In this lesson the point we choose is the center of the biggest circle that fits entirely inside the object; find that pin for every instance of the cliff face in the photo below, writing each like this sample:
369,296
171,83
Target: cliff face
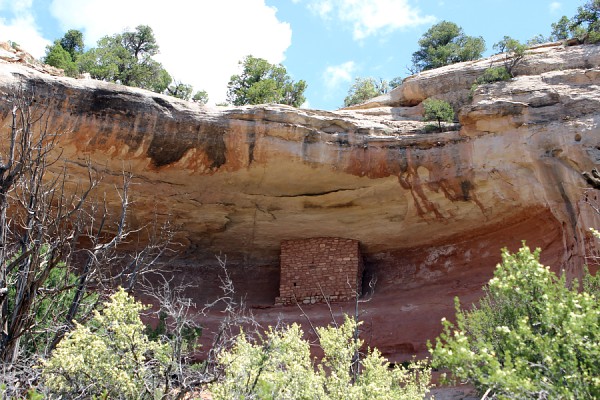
431,210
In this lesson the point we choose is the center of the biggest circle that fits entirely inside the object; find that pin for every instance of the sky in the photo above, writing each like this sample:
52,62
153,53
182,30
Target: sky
327,43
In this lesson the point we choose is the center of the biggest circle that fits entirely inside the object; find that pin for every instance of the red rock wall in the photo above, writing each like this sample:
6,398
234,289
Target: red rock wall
317,267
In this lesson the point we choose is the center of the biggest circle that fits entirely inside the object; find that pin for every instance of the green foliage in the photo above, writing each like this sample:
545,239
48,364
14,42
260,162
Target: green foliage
430,128
49,307
445,43
437,110
180,90
490,75
591,283
394,83
561,29
110,357
588,20
160,330
126,58
364,89
261,82
201,97
65,52
162,81
538,39
279,367
58,57
72,42
584,26
510,45
33,394
493,74
529,337
513,50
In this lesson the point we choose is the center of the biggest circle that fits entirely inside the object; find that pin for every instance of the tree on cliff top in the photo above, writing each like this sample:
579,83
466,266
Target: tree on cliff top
445,43
200,97
72,42
364,89
588,19
58,57
180,90
514,52
65,52
126,58
262,82
585,25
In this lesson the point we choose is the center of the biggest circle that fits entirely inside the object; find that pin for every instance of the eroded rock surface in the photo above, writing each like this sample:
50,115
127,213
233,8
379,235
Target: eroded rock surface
431,210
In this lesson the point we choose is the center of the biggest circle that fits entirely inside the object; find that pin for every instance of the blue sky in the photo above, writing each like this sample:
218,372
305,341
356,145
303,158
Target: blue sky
328,43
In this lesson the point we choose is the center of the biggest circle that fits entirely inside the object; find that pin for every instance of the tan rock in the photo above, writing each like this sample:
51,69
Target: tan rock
431,211
453,82
10,54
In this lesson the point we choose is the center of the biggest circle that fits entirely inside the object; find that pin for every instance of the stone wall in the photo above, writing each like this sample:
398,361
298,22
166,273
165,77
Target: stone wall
317,267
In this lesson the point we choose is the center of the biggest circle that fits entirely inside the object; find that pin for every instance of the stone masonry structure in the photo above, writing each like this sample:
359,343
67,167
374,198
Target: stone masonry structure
317,267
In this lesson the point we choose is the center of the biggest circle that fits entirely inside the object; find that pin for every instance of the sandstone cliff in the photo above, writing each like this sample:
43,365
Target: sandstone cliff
431,210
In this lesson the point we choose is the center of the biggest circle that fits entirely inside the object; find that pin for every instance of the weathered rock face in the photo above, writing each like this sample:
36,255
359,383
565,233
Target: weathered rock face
431,210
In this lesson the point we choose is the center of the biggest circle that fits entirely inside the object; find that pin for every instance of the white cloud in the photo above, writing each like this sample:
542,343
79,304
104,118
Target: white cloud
306,105
20,27
200,42
21,5
370,17
555,6
322,7
335,75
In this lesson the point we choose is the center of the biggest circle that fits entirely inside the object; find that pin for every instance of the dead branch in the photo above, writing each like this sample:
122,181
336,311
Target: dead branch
59,245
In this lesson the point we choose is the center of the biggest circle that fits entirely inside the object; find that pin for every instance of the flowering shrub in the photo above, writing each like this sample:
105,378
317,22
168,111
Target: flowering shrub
280,367
530,336
109,357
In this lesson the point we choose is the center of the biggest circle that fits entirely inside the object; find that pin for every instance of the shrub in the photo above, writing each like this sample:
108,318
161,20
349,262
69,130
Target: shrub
514,52
490,75
437,110
494,74
110,356
364,89
530,336
279,367
430,128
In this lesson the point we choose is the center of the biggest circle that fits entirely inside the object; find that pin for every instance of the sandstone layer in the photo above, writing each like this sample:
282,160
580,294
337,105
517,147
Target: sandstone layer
431,210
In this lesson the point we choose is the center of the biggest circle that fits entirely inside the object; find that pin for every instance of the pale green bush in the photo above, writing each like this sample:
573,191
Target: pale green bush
110,356
279,366
530,336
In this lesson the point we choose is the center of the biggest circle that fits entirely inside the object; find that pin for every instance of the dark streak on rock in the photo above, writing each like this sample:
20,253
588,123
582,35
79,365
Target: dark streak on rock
163,103
214,146
164,150
251,144
466,187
